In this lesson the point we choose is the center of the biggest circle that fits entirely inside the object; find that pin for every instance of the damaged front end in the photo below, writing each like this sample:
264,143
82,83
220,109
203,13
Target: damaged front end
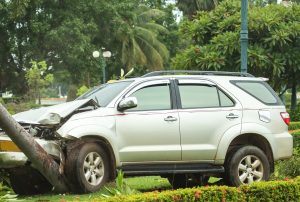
42,124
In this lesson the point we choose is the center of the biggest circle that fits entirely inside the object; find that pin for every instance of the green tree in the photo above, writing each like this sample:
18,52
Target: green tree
190,7
274,45
38,78
65,33
137,32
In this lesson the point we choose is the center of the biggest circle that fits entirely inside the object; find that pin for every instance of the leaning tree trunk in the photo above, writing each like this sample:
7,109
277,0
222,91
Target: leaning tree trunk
35,153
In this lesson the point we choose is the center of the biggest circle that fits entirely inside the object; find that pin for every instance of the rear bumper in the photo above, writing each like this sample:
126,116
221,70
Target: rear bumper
283,146
11,157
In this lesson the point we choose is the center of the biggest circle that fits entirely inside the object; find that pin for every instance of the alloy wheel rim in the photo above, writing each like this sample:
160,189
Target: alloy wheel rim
250,170
93,168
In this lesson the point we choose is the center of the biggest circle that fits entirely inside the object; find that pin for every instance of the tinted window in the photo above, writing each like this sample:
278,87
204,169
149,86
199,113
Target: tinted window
224,100
259,90
198,96
152,98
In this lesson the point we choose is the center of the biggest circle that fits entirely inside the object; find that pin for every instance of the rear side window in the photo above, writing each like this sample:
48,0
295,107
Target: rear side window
259,90
202,96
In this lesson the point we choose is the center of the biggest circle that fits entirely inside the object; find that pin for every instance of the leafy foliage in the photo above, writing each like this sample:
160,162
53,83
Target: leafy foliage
82,90
290,168
65,33
261,191
121,187
274,44
6,193
38,78
295,114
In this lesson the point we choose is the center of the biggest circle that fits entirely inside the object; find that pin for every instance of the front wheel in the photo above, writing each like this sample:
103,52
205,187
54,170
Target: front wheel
87,168
246,165
28,181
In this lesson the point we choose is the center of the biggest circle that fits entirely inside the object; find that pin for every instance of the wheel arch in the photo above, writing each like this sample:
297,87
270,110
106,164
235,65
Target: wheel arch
104,144
253,139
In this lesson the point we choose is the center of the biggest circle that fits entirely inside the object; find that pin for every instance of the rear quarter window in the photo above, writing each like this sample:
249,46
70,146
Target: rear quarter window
259,90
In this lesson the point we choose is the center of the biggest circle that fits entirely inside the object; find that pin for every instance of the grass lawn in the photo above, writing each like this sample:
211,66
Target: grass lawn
142,184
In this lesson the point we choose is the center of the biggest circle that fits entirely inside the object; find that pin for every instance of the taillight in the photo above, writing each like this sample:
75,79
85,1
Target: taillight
286,117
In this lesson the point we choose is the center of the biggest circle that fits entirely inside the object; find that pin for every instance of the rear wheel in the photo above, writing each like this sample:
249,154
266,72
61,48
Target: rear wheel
247,165
28,181
87,168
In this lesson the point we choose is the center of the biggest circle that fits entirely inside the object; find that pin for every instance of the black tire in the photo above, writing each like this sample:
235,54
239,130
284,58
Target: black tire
185,180
178,181
246,165
28,181
75,169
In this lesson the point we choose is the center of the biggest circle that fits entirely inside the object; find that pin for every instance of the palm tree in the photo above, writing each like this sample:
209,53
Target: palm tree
138,36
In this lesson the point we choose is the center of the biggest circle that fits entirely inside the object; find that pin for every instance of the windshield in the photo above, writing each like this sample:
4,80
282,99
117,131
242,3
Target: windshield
105,93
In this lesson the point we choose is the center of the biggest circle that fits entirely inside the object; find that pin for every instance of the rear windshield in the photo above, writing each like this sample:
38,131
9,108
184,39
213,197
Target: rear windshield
259,90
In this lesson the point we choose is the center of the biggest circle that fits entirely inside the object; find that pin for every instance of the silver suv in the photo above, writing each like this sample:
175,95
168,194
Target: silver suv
183,125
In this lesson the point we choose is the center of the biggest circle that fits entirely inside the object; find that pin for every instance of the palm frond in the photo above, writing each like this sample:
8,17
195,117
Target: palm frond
154,59
155,27
155,43
149,15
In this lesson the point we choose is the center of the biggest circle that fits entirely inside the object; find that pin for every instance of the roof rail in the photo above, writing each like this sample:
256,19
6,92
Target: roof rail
192,72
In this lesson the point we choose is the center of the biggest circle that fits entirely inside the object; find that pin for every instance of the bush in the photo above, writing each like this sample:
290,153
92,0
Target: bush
261,191
294,126
214,193
273,191
83,89
295,114
290,167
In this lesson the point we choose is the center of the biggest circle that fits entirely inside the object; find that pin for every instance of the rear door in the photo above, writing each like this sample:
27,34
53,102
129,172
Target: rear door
206,113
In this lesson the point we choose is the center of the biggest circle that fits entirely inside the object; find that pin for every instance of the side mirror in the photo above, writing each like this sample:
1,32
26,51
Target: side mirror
127,103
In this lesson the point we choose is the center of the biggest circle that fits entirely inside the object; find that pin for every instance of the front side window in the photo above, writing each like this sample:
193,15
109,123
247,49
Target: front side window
156,97
202,96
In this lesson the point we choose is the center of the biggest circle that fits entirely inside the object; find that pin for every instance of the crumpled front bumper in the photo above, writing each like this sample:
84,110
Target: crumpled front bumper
11,156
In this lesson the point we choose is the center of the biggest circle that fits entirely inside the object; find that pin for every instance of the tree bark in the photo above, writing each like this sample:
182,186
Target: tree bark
35,153
294,95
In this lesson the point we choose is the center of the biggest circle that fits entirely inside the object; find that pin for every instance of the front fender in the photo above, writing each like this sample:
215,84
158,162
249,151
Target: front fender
104,129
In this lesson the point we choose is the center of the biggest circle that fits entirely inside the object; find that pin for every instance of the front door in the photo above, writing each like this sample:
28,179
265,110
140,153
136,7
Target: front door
150,132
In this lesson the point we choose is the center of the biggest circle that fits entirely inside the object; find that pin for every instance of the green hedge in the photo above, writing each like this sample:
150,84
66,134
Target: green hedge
294,126
263,191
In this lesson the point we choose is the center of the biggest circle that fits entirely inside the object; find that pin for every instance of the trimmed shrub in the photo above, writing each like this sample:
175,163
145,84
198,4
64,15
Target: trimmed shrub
288,190
214,193
290,167
273,191
294,126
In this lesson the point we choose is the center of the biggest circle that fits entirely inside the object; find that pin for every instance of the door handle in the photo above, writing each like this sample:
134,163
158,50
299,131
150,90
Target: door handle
232,116
170,118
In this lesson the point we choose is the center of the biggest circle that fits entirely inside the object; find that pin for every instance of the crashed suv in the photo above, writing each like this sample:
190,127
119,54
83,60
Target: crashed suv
185,126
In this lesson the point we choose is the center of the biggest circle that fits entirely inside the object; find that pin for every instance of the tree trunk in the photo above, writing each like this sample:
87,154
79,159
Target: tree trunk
35,153
294,95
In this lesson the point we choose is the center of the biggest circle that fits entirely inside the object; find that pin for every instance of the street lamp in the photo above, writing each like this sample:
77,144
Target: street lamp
105,54
244,35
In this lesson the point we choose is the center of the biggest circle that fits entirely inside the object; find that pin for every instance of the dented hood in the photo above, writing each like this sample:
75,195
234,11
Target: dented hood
53,114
